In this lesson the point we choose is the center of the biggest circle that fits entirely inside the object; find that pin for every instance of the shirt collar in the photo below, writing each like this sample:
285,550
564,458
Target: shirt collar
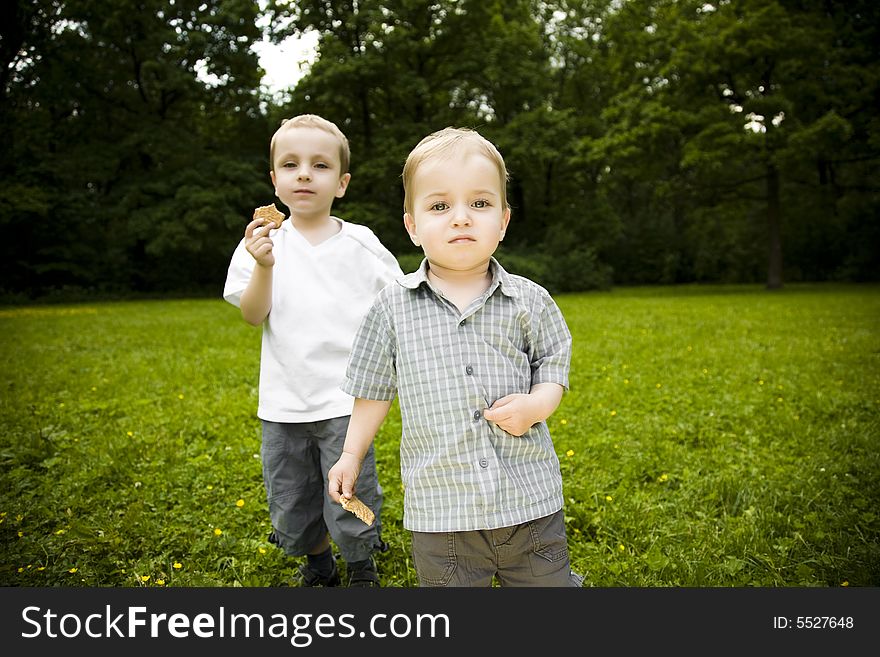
500,278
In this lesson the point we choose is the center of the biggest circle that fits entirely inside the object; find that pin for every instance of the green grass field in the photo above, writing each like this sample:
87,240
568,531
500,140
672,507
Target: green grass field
722,436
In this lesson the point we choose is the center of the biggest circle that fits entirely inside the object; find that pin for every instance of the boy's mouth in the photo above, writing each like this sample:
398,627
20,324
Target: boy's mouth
303,191
461,239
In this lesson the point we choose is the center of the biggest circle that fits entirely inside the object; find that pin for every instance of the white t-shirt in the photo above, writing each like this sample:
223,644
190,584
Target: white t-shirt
320,295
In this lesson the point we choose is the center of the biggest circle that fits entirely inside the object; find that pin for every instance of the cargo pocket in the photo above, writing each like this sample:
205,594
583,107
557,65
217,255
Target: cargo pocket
434,557
549,547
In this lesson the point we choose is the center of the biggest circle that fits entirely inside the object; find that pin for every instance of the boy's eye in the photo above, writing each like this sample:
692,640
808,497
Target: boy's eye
321,165
481,204
289,165
439,206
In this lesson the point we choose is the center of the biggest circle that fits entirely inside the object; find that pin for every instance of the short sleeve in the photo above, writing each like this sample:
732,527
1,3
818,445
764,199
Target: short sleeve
241,268
371,371
551,359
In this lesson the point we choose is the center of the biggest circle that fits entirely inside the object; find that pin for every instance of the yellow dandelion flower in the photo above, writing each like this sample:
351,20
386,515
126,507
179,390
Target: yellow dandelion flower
41,567
621,547
844,583
608,498
177,565
626,382
613,413
217,531
563,421
145,578
663,477
210,487
160,582
59,532
20,534
21,569
94,388
261,550
180,396
779,400
239,503
659,385
129,433
705,371
73,570
760,382
570,453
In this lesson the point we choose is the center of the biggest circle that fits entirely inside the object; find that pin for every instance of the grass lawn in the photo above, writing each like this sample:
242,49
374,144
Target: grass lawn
712,436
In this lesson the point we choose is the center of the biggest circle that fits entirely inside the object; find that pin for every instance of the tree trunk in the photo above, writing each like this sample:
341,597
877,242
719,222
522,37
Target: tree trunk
774,220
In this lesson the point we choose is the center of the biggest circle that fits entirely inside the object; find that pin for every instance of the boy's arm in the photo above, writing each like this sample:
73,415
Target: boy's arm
519,412
256,300
551,356
366,418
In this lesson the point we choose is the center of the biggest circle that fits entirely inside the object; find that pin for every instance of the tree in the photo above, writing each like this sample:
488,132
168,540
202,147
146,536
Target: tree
134,129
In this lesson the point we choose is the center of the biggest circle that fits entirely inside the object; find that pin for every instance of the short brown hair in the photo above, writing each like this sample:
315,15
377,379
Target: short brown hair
445,143
314,121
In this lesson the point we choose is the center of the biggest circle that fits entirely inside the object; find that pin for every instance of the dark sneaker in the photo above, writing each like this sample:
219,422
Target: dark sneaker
363,574
311,577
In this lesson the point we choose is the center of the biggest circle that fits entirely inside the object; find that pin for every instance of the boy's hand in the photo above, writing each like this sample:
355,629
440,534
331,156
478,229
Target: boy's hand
343,476
519,412
258,243
513,413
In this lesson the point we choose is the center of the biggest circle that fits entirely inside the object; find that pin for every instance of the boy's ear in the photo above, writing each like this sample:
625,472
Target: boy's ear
410,224
272,176
505,219
343,185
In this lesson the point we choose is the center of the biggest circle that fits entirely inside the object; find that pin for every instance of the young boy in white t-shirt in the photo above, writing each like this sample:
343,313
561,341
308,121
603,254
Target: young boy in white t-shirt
310,283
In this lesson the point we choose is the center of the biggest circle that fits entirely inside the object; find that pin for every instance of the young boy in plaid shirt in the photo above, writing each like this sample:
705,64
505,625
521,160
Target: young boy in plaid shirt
479,359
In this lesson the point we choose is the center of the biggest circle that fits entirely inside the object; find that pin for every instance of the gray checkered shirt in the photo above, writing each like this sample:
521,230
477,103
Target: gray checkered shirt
460,471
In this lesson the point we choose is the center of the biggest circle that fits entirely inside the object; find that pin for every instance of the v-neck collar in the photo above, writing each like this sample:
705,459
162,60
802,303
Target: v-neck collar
288,225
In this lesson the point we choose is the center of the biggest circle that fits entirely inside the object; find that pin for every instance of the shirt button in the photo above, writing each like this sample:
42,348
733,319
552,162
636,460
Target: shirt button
478,415
484,462
469,370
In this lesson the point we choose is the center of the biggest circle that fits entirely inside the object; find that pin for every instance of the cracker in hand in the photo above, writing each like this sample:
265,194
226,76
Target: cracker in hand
269,214
358,508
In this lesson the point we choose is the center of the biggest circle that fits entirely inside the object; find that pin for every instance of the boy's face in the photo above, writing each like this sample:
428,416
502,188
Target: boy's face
306,171
457,215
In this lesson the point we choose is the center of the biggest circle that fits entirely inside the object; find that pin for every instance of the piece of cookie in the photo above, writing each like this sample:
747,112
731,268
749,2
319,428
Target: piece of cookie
269,214
358,508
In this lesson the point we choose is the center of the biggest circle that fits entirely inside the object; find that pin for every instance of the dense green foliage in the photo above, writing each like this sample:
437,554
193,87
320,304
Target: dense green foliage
649,141
713,436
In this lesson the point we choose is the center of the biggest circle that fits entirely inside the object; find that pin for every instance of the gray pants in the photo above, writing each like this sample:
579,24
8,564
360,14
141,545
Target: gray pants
534,553
296,459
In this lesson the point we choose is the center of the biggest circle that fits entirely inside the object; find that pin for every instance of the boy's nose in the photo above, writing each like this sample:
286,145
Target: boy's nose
460,216
304,174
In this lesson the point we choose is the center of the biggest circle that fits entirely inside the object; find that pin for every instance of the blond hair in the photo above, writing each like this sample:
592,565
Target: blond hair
446,143
314,121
